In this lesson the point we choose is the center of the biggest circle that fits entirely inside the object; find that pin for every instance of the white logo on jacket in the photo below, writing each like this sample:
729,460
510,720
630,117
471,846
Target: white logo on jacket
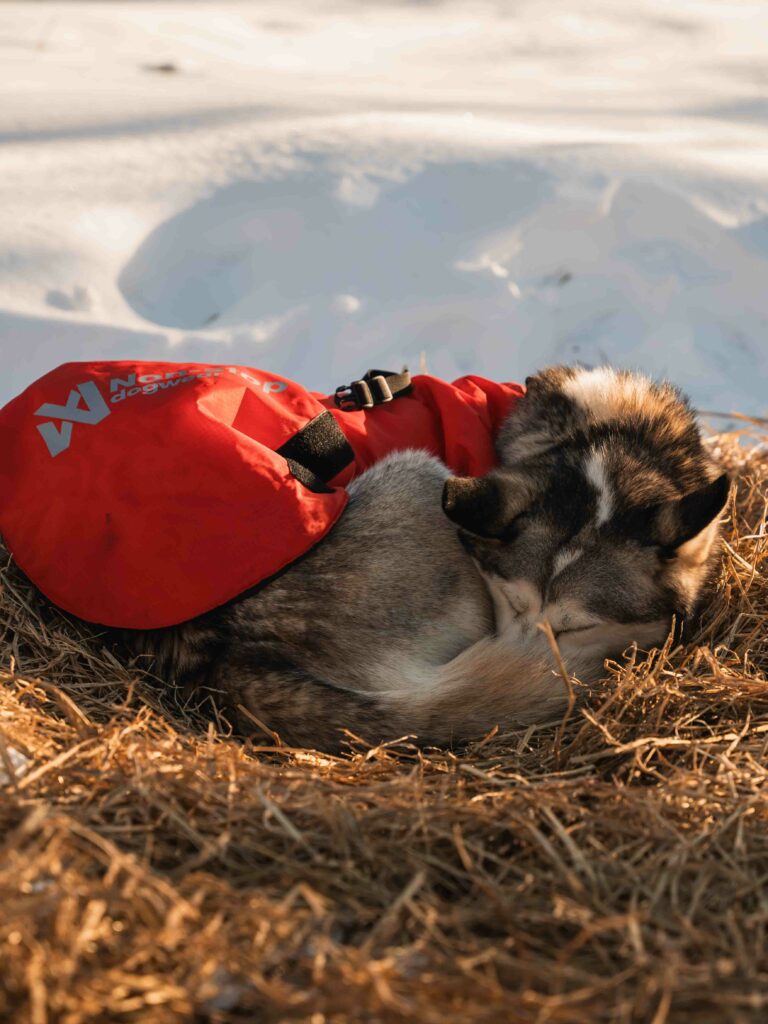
58,438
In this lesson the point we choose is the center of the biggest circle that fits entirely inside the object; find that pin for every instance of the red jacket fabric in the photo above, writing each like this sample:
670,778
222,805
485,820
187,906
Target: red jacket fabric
139,495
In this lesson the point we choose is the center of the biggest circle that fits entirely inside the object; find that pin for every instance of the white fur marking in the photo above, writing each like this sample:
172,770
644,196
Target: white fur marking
594,391
594,469
564,558
603,394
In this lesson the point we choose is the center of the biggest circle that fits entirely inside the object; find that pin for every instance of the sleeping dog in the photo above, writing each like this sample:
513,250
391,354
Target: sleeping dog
417,614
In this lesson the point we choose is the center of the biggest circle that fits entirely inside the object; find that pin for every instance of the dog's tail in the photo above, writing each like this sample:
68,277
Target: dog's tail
494,682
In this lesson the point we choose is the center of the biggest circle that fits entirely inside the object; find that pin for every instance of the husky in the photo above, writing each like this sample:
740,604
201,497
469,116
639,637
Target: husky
419,613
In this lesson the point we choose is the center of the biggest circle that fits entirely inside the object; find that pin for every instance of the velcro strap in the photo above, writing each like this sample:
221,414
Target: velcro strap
320,449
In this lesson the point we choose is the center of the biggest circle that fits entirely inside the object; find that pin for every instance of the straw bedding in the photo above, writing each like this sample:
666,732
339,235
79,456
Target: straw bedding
610,867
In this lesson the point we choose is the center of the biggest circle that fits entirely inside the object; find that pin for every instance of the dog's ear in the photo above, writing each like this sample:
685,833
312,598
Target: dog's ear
699,508
475,503
685,526
490,506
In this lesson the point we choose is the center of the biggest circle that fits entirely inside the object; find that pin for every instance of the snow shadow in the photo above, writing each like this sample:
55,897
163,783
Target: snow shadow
469,268
256,249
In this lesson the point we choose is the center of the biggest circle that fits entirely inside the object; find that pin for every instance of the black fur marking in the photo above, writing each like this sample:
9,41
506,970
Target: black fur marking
570,501
638,524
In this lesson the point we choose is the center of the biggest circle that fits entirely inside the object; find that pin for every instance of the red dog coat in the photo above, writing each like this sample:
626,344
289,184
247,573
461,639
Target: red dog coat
139,495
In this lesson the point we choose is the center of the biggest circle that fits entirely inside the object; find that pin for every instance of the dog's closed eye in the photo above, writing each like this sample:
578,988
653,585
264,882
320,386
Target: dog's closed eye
574,629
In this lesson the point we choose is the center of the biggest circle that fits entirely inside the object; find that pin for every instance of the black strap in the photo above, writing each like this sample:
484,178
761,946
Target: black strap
317,452
375,388
310,480
320,451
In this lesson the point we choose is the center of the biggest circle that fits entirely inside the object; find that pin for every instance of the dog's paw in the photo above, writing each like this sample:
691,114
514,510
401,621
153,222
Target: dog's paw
507,618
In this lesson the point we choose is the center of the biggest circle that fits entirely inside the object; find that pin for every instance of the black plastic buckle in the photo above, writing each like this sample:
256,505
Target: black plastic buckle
354,396
380,389
363,393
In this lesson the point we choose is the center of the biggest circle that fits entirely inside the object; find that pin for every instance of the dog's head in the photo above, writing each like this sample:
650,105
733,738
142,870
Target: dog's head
605,505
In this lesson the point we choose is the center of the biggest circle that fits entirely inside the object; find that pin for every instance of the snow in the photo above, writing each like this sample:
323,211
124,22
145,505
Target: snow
316,188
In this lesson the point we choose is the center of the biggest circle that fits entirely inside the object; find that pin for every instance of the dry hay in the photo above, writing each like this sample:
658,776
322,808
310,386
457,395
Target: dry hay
608,868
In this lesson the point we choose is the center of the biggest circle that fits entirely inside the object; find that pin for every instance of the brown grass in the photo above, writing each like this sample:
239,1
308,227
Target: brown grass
610,868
